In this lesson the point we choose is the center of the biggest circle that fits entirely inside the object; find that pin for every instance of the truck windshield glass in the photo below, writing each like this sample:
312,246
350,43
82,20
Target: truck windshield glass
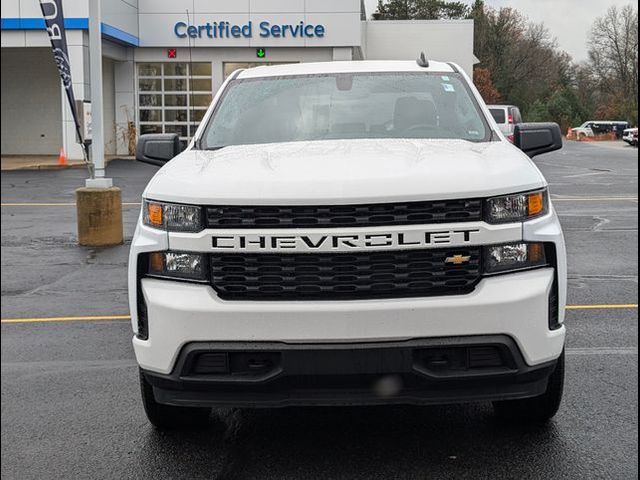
345,106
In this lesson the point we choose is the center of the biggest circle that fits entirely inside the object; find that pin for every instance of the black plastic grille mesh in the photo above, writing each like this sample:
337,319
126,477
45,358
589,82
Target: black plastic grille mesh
332,276
377,214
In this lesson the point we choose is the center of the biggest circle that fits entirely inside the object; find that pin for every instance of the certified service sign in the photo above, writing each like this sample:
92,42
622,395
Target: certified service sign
224,29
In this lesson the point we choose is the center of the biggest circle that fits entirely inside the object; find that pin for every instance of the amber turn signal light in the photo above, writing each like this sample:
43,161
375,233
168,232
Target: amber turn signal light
154,214
156,262
535,203
536,253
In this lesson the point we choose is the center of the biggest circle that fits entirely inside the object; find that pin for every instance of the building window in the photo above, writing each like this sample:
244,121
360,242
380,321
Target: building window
173,97
230,67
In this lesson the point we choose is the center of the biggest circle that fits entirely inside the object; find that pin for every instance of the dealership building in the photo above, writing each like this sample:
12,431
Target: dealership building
164,59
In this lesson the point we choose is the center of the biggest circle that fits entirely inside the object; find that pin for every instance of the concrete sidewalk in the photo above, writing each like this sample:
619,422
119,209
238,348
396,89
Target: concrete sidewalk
45,162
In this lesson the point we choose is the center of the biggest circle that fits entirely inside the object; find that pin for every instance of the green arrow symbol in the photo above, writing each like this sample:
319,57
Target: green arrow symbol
261,53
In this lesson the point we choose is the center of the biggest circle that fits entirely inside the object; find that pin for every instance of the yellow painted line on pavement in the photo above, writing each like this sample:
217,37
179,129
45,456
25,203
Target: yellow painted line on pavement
594,199
66,319
128,317
70,204
603,306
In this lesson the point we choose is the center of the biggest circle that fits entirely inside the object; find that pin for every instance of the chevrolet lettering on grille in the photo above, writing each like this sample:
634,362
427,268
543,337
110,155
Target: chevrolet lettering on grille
357,241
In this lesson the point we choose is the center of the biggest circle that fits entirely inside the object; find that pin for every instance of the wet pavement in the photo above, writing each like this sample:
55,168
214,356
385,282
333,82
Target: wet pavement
70,399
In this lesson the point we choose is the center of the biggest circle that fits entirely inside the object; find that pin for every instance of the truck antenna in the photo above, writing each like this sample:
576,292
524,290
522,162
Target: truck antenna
422,60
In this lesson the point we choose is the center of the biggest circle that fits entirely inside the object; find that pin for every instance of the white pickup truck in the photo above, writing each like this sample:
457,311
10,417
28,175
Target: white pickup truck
348,233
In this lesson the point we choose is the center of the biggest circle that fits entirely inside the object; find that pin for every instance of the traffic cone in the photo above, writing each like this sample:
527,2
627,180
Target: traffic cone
62,159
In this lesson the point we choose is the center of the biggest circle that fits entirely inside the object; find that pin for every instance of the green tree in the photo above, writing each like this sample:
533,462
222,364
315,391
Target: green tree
538,112
478,14
420,10
565,109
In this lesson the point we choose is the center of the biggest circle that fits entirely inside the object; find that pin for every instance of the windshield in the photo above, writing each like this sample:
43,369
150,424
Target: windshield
345,106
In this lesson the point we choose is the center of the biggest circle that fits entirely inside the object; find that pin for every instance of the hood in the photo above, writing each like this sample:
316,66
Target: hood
345,171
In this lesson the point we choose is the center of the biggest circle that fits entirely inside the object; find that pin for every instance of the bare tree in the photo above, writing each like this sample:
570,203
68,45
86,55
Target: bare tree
613,59
522,57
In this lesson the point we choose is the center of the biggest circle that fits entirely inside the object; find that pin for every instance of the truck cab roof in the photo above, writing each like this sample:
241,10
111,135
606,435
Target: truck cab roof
367,66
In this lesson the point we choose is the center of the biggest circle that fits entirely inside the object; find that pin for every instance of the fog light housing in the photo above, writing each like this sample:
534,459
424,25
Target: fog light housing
179,265
513,257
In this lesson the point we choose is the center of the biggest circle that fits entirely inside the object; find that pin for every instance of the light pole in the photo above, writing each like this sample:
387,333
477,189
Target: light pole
97,127
99,203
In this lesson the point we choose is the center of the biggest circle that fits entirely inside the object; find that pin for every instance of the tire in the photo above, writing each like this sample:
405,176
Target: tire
168,417
538,409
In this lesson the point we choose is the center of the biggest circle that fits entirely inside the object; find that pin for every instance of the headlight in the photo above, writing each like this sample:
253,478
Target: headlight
516,208
181,265
172,217
513,256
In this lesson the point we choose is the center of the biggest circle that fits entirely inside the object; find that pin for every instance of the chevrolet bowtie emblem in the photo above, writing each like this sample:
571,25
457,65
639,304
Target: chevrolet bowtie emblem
457,259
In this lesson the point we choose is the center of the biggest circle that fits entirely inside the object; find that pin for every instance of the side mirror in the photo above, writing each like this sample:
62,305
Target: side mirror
157,148
536,138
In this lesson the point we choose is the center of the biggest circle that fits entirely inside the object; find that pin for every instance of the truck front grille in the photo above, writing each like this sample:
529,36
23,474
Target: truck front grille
365,215
335,276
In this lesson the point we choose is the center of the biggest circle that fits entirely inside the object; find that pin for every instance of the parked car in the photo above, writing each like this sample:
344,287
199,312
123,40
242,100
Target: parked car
507,117
348,233
630,135
599,127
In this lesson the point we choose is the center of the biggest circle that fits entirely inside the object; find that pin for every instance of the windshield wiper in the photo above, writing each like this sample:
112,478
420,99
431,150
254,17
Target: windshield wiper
216,147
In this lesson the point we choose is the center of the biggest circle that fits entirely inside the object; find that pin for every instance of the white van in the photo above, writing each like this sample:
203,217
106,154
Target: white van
507,117
598,127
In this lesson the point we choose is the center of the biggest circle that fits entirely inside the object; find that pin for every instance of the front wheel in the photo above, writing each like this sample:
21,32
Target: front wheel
538,409
168,417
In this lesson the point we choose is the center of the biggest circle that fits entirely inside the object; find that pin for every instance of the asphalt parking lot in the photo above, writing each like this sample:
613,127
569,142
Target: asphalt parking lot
70,399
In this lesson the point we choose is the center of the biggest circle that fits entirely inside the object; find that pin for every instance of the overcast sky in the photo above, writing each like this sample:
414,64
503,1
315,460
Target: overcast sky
569,21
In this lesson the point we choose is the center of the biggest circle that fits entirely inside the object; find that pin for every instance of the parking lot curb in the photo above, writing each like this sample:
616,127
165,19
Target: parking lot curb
55,166
42,167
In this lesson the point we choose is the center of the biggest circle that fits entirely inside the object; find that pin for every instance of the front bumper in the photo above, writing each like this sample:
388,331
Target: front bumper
515,305
422,371
511,305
